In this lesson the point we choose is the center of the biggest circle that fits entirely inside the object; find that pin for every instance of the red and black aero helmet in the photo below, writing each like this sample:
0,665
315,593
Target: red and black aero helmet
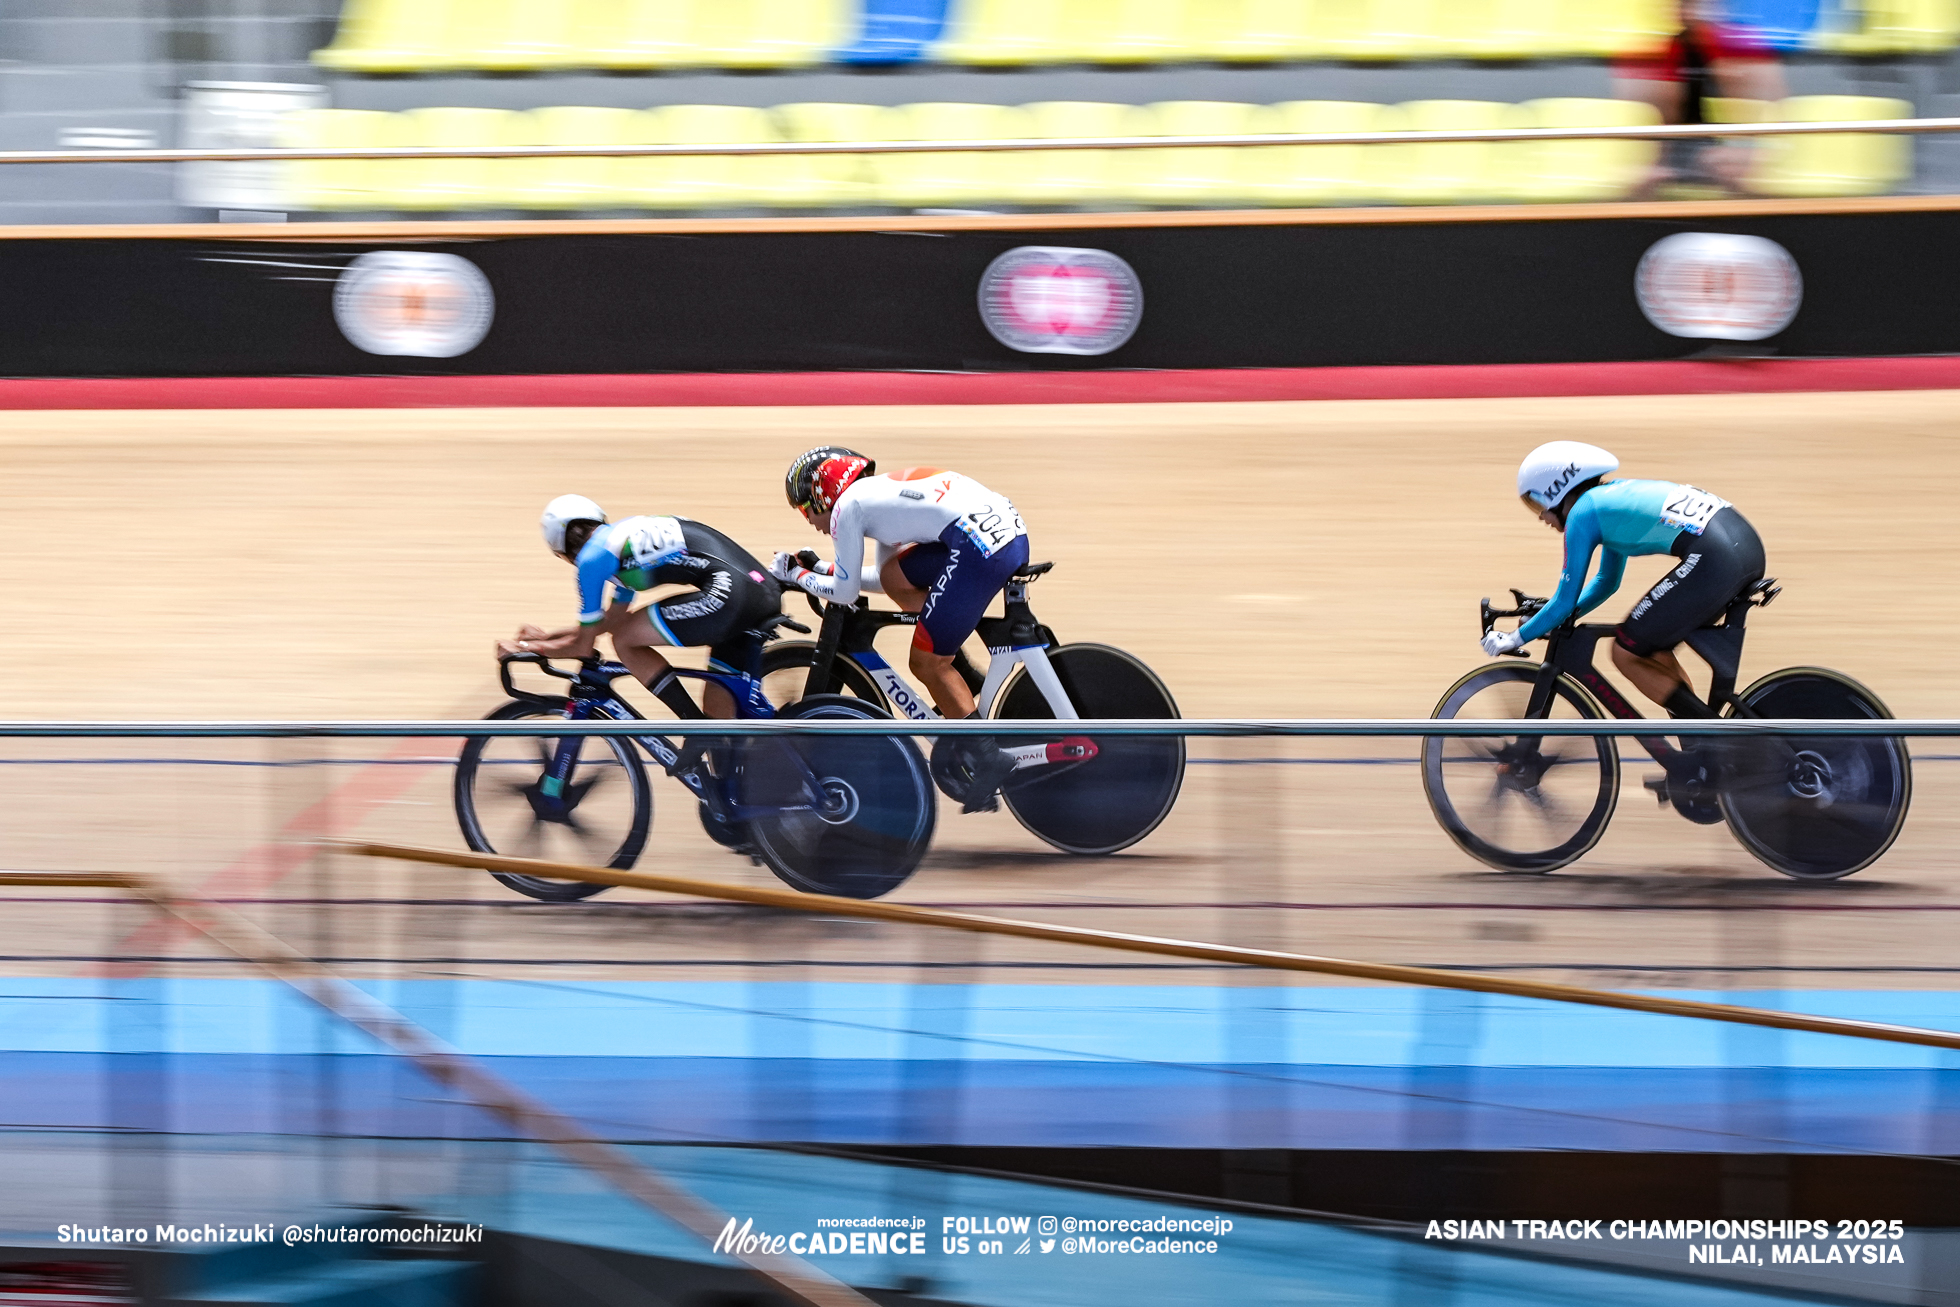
819,475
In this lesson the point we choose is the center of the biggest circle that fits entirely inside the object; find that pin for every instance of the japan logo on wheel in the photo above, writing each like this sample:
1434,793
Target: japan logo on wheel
1048,299
1706,285
409,302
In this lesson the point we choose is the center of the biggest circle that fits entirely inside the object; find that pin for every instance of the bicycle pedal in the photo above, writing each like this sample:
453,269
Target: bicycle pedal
1658,786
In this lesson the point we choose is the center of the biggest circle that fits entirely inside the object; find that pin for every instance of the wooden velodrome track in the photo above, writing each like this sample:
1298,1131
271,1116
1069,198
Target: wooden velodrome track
1278,560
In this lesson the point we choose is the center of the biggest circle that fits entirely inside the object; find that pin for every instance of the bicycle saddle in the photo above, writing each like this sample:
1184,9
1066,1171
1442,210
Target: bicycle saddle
1031,571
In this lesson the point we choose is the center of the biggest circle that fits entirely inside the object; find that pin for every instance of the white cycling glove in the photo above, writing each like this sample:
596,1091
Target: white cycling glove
1497,643
785,566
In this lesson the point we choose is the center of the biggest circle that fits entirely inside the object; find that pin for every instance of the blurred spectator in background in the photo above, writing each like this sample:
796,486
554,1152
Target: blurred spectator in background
1710,71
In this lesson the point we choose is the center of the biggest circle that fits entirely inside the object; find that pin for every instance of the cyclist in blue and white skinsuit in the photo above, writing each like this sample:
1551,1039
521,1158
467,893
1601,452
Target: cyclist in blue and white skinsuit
946,546
729,599
1721,557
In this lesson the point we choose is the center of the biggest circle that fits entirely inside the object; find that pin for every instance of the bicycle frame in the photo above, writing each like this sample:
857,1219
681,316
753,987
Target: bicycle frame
1014,639
1570,651
591,696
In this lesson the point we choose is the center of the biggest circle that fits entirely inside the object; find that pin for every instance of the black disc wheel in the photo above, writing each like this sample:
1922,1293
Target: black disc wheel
785,672
1117,797
1815,807
849,814
1530,803
599,819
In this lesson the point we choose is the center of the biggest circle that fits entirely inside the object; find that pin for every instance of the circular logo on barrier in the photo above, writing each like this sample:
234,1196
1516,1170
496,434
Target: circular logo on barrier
1048,299
1707,285
414,303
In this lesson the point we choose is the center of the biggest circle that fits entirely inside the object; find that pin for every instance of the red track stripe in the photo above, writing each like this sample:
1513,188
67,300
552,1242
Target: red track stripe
1672,377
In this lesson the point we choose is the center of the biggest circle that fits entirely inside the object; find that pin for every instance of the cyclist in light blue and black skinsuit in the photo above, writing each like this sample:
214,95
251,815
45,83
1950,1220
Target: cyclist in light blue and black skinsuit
1721,557
730,597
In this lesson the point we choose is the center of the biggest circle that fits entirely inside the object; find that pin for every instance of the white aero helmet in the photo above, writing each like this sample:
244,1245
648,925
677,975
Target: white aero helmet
1550,471
560,513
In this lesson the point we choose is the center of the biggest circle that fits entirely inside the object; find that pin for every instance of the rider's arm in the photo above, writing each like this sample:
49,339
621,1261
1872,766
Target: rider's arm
1612,570
596,567
1581,538
846,580
874,574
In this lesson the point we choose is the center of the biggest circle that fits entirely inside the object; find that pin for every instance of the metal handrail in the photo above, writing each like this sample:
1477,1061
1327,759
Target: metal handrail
1393,973
1887,728
1690,131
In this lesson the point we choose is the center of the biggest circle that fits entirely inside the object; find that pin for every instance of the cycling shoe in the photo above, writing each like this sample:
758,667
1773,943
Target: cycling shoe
969,770
1691,796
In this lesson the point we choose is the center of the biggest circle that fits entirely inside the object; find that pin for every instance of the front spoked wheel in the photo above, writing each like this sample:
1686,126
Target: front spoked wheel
600,818
1815,807
1123,793
843,814
1520,803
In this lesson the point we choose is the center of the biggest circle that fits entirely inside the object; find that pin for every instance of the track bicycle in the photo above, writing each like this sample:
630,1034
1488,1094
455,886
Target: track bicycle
1812,807
1080,794
829,814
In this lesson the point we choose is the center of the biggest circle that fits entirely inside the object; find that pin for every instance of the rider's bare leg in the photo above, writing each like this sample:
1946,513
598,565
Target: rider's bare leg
943,682
898,588
634,642
949,690
1658,676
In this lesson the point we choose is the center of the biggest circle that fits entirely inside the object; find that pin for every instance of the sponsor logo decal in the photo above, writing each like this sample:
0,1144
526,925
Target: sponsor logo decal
1703,285
413,303
1565,478
1050,299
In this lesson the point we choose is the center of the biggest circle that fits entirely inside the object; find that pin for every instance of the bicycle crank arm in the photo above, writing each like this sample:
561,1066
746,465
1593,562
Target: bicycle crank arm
1071,748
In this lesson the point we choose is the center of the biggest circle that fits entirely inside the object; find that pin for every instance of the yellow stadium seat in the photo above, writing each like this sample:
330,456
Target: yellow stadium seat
1003,32
1459,172
707,33
635,34
1560,171
1132,31
571,183
1072,177
1840,163
511,35
1499,29
770,33
952,179
1716,109
1379,30
1316,174
1898,27
389,36
1608,29
1215,175
813,180
1252,31
452,183
702,181
337,183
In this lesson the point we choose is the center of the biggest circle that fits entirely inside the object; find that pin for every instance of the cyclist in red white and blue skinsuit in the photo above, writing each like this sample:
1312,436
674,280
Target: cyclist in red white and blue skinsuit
946,546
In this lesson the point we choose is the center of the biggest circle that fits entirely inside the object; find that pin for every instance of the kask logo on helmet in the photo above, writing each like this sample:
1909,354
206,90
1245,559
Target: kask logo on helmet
1560,482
